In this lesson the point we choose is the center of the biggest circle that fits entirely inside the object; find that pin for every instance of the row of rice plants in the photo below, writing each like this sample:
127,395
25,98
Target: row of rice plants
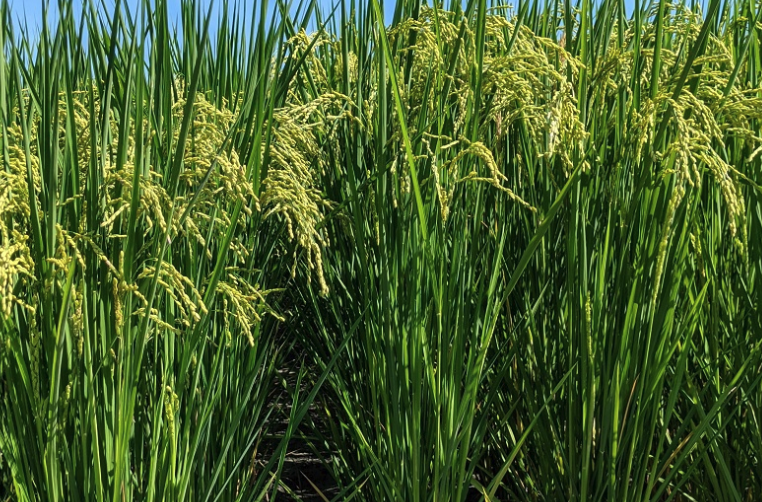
545,251
518,245
140,272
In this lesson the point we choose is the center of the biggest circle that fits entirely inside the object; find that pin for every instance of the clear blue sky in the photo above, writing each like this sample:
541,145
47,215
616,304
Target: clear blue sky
30,11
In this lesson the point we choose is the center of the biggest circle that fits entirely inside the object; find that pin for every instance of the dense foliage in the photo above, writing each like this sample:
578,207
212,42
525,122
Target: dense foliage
486,252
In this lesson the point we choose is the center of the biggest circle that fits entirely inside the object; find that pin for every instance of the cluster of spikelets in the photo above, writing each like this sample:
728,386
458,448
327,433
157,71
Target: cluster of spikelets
701,119
299,155
522,85
213,180
16,263
290,188
531,86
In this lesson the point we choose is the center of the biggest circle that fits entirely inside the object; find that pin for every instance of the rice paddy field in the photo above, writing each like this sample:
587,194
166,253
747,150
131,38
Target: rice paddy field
477,251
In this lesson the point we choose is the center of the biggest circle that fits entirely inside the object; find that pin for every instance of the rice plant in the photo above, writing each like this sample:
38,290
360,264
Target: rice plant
521,255
510,252
140,272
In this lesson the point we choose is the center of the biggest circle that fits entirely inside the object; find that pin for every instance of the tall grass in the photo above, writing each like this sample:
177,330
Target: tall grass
546,255
518,245
140,279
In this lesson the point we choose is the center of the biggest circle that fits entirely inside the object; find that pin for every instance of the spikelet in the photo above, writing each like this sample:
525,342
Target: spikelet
677,196
35,354
15,264
495,178
180,289
245,304
171,406
76,319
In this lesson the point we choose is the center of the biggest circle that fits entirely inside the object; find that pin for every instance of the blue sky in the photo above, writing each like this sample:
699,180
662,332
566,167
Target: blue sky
30,11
